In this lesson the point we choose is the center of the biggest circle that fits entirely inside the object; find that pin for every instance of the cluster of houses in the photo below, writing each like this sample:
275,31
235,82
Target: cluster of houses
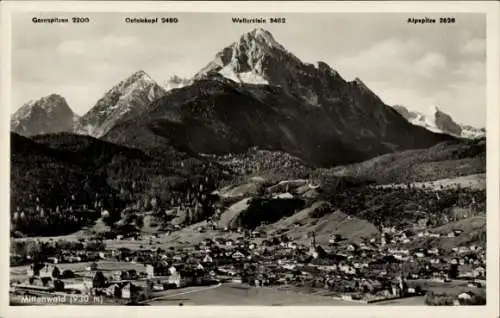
375,267
126,285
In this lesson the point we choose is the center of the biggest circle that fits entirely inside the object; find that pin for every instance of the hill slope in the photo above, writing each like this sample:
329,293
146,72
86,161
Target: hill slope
439,162
65,172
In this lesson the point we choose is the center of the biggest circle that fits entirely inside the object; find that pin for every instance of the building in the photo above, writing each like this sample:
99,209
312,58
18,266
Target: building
92,267
465,296
433,251
238,255
50,270
129,291
207,259
180,279
150,271
53,260
352,247
34,269
158,286
175,277
117,276
479,271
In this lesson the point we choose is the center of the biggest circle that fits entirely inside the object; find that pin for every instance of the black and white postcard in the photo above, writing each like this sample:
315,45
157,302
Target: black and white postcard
261,158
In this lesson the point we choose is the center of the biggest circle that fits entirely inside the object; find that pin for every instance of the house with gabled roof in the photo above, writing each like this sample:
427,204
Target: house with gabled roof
114,290
129,291
50,270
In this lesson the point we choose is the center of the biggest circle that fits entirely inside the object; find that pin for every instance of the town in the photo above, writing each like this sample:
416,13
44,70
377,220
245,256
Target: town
201,241
378,269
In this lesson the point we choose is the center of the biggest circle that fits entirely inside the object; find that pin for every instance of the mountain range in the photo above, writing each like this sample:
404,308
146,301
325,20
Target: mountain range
255,137
254,93
438,121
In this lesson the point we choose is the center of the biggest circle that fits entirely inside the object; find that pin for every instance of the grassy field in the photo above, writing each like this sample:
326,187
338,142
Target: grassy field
409,301
351,228
474,181
242,295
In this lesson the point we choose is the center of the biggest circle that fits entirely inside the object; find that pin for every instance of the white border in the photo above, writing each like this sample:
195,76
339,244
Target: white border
490,8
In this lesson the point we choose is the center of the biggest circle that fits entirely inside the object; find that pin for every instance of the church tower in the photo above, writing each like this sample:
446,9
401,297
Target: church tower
312,248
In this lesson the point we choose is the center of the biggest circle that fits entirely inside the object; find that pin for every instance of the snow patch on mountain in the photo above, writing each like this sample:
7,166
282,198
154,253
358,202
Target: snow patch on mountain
425,121
472,132
176,82
435,120
245,77
252,59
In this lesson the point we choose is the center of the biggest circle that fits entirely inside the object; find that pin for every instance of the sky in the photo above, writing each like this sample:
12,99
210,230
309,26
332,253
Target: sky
417,66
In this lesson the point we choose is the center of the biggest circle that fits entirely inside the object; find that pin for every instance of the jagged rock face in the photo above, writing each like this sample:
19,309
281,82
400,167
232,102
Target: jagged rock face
446,124
405,112
305,110
257,58
50,114
438,121
127,99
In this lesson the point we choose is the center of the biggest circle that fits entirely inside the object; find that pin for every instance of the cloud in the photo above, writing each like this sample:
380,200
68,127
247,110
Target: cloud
407,62
71,47
402,64
465,102
95,47
413,73
380,61
473,71
430,64
474,47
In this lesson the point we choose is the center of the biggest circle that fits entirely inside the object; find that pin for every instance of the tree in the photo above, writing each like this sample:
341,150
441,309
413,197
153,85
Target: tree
453,271
33,250
139,221
68,274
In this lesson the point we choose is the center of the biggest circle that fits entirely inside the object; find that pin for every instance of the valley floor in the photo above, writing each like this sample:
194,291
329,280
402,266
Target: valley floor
244,295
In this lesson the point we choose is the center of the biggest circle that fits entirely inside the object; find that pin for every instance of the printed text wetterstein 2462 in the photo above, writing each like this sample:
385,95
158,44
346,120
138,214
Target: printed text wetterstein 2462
261,20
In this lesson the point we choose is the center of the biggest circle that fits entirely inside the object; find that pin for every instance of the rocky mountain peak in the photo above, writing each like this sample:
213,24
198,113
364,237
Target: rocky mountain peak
129,97
139,78
433,110
255,58
259,37
445,123
49,114
258,58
